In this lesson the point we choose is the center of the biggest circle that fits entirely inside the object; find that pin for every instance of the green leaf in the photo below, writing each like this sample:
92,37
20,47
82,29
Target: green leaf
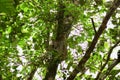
106,45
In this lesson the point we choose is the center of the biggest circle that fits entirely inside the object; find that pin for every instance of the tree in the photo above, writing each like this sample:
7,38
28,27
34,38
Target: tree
62,39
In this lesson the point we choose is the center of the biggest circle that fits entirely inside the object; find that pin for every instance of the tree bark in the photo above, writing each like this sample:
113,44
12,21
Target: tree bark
102,27
52,69
59,45
31,75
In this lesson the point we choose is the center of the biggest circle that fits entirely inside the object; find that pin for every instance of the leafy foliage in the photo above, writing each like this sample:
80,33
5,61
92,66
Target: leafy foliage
38,37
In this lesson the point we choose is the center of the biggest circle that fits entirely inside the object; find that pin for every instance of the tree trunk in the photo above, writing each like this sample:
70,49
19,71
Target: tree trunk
52,69
31,75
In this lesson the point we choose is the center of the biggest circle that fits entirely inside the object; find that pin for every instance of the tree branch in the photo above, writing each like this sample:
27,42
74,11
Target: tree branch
115,62
103,26
52,69
108,58
31,75
64,24
93,25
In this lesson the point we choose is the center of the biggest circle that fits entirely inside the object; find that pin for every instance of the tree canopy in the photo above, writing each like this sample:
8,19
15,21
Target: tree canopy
59,39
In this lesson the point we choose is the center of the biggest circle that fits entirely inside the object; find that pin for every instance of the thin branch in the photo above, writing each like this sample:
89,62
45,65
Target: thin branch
103,26
108,58
93,25
115,62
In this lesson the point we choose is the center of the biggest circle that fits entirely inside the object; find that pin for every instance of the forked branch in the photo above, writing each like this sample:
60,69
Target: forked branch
108,58
102,27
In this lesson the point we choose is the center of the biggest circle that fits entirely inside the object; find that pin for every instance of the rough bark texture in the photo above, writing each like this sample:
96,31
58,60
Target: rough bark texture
52,69
103,26
31,75
59,45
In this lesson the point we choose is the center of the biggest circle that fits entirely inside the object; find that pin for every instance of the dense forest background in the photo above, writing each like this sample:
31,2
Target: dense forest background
59,39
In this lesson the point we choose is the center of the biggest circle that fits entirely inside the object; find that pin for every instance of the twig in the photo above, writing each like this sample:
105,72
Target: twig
102,27
93,25
115,62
